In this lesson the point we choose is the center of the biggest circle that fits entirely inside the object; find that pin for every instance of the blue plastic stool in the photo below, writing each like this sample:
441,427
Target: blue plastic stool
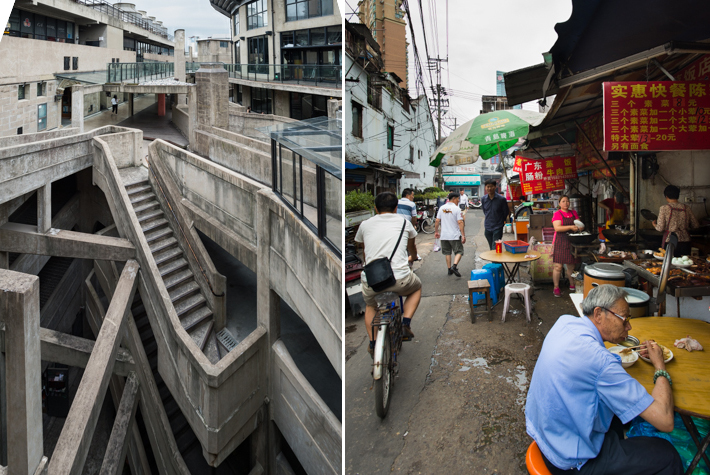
487,274
498,276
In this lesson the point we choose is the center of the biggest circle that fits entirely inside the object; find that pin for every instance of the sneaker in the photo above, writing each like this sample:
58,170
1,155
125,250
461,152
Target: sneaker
450,271
455,271
572,288
407,334
557,292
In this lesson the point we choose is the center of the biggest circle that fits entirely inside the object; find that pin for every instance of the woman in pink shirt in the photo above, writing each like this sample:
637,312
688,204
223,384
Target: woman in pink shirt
563,221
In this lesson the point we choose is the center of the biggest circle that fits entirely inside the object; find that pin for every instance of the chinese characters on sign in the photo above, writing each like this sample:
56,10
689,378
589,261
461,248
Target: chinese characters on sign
656,115
543,175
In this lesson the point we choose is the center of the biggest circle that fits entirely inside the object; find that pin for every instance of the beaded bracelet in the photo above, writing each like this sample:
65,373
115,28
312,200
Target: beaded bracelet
664,373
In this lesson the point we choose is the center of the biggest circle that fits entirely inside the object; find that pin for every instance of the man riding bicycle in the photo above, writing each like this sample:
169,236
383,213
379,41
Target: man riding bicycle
379,236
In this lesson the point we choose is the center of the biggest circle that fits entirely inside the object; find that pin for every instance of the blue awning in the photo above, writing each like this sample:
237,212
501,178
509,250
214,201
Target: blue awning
352,166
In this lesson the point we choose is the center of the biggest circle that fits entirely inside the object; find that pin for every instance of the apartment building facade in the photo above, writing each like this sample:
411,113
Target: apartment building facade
51,45
385,20
287,55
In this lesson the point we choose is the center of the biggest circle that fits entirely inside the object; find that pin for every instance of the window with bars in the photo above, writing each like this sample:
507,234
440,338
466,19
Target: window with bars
257,14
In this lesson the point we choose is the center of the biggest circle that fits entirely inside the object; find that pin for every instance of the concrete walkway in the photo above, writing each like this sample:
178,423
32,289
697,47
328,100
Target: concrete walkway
106,117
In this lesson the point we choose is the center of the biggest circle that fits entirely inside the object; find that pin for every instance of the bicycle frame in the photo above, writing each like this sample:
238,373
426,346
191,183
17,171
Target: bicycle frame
392,316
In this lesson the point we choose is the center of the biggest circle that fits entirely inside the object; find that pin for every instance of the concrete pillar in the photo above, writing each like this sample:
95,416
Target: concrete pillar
192,116
130,104
161,105
44,208
212,96
180,74
4,260
19,309
77,107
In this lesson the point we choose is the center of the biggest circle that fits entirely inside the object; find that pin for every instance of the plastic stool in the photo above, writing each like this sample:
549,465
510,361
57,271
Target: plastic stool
480,286
498,276
534,461
517,288
487,274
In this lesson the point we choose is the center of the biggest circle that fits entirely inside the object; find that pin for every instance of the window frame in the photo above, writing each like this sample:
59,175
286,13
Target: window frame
39,117
255,15
390,137
325,8
357,121
22,92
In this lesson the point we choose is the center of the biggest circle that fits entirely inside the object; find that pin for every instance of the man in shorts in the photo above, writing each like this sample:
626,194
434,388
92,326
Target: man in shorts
379,235
463,202
451,224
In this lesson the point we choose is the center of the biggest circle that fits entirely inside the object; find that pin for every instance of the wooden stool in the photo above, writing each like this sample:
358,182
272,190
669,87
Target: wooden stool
534,462
481,286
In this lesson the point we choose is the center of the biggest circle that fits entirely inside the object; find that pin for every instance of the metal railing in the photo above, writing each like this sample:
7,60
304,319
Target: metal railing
310,74
128,17
135,72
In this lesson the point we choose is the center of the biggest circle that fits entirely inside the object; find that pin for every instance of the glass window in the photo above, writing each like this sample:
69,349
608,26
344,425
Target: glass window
302,38
326,7
223,44
287,39
41,88
20,92
258,54
390,137
237,53
318,36
314,8
61,31
14,23
257,15
357,119
302,9
235,19
335,35
41,117
51,29
28,24
260,100
70,31
40,27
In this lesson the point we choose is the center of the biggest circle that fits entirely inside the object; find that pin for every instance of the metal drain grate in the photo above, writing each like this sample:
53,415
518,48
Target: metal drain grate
228,341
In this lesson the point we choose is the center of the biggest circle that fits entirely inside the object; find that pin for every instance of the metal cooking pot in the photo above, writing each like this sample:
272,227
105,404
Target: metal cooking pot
638,302
603,273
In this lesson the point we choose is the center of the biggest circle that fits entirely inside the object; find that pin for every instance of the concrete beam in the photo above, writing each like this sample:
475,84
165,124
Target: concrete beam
73,444
138,89
19,311
58,347
44,208
25,239
125,417
77,107
277,86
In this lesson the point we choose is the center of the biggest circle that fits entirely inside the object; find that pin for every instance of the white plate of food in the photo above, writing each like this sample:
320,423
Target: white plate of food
579,224
627,355
667,355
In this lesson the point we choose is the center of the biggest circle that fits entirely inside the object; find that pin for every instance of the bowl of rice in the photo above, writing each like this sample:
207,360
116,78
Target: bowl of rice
628,357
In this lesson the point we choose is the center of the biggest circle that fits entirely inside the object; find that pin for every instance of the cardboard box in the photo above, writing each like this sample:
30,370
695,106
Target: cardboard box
537,221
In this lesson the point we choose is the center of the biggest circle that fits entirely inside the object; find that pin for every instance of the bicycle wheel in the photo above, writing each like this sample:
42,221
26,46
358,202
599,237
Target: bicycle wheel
384,384
428,225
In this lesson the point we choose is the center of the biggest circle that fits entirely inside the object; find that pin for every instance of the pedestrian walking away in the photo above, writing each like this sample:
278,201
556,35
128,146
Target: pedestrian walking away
450,222
406,206
380,236
463,202
580,396
114,105
495,210
563,221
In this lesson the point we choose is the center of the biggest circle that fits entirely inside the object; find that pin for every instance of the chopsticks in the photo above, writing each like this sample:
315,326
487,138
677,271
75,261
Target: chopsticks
634,347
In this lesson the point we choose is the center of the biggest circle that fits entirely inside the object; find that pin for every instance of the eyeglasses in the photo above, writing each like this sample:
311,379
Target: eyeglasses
625,319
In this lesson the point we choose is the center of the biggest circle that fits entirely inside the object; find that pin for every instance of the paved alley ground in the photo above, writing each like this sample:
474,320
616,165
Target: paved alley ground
458,401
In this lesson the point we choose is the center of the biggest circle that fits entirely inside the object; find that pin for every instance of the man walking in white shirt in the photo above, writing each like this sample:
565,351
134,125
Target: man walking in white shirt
463,202
451,224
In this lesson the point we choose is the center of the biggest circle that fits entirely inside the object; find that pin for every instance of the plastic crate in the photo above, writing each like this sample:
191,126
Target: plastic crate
516,247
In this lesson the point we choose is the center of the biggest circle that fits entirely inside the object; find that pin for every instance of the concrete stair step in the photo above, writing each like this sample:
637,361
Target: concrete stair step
158,234
166,255
138,188
200,312
146,206
161,244
185,290
170,267
145,227
148,215
177,279
141,198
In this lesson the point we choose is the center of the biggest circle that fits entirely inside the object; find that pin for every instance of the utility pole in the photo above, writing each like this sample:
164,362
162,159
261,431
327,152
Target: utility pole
442,105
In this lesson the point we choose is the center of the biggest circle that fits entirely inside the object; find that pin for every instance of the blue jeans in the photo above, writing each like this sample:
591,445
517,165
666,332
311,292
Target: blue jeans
493,236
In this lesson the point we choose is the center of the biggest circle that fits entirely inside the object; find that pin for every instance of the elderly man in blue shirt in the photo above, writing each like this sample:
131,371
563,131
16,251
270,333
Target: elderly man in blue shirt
580,396
495,210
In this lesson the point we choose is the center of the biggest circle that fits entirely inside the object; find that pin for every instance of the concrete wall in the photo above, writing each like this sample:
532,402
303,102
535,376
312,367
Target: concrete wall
210,51
246,123
282,103
181,119
95,33
16,113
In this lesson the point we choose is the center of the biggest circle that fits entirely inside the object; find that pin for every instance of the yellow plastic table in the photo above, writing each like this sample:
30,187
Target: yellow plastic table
690,371
506,258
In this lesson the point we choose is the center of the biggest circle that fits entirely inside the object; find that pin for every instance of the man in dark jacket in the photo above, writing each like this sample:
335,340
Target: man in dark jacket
495,210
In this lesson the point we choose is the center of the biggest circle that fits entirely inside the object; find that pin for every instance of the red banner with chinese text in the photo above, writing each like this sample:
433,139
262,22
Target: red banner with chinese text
543,175
696,71
656,116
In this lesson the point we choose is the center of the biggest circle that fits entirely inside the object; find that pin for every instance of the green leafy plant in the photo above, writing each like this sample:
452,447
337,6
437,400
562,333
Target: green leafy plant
357,200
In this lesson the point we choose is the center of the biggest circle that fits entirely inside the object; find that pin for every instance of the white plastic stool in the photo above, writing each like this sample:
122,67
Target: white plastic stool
517,288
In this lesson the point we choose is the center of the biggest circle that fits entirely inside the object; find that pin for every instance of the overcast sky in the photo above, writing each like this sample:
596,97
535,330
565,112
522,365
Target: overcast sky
483,37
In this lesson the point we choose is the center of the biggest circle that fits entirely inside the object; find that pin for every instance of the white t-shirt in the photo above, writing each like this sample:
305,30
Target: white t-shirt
463,199
113,101
379,235
450,215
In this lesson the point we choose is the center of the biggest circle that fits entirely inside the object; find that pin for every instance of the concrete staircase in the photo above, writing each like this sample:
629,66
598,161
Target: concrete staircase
186,296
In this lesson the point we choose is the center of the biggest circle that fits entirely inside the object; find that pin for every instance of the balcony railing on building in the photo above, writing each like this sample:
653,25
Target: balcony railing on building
138,72
128,17
308,74
307,174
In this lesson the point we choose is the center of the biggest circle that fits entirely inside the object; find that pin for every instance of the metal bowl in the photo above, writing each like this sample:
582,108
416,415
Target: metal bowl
614,235
582,238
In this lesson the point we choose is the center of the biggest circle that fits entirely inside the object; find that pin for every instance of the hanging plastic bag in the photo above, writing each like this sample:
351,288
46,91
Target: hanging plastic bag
437,245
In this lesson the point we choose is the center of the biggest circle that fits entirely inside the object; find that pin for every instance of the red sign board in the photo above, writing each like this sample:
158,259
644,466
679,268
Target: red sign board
543,175
656,115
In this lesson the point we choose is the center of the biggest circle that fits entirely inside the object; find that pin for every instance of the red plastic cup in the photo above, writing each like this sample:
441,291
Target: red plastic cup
499,247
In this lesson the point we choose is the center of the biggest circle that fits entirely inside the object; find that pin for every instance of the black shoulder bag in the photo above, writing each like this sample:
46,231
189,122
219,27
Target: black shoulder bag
379,272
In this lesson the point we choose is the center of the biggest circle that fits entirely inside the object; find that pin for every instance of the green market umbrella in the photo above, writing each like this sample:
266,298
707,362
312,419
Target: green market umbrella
455,146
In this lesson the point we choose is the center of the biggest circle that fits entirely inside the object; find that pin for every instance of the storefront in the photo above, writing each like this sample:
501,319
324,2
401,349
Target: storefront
470,184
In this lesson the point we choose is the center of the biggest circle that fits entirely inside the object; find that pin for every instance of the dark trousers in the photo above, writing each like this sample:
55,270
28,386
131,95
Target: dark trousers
634,456
115,109
492,237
